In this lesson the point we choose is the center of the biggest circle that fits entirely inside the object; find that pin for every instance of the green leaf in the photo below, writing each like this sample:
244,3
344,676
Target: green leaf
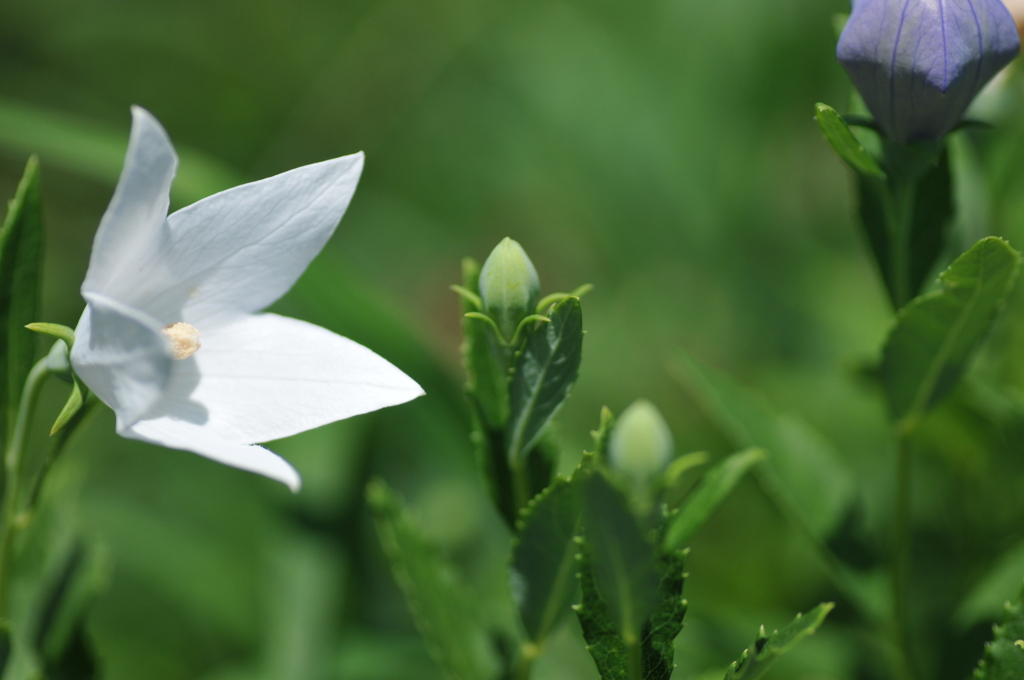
486,381
803,470
21,249
759,657
1004,656
54,330
544,558
655,651
605,645
71,407
933,211
934,334
988,594
658,647
625,572
443,611
709,494
545,371
60,635
846,146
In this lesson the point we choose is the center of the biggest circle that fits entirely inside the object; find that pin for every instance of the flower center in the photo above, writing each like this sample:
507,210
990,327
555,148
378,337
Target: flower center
184,339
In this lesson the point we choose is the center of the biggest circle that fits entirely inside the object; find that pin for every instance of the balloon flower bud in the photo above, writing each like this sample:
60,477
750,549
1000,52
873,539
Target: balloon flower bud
641,444
919,63
509,287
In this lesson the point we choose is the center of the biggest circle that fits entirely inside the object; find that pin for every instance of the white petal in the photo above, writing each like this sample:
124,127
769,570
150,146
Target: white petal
127,242
265,377
121,355
240,250
179,434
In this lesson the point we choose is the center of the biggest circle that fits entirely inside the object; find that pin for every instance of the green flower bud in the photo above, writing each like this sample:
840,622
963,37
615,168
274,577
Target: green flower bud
509,287
641,443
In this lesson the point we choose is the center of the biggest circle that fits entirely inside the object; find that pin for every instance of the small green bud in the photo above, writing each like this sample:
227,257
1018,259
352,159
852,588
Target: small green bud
509,286
641,443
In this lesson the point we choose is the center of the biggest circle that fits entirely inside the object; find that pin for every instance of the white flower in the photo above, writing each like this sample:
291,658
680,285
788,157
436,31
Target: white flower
212,266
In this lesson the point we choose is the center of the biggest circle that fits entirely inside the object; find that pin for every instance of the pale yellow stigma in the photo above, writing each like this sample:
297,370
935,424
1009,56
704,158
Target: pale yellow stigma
184,339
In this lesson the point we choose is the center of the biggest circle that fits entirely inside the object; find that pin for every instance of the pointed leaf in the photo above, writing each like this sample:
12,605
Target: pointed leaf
658,647
709,494
846,146
486,381
443,611
71,407
21,248
935,333
54,330
766,650
814,479
605,645
545,371
1004,656
624,559
544,558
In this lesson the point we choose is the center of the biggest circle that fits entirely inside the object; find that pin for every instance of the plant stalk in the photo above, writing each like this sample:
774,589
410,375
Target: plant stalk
12,466
902,556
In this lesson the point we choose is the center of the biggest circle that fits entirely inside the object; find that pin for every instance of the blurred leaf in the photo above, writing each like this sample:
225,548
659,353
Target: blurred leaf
5,647
486,382
544,373
935,333
658,646
60,636
97,151
846,146
625,573
1004,655
711,490
544,558
21,251
758,658
444,613
986,599
813,478
604,643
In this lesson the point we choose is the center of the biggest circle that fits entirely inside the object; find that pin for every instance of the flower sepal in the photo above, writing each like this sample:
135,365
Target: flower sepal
58,364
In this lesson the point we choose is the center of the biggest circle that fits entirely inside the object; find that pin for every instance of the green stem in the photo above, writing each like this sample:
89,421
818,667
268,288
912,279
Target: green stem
12,465
635,665
58,441
902,555
900,217
524,664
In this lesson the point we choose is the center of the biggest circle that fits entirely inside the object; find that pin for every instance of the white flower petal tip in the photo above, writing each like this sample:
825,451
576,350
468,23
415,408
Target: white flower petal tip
193,437
156,282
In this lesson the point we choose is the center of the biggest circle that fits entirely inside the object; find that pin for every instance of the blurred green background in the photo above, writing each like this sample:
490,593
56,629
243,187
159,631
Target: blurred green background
664,151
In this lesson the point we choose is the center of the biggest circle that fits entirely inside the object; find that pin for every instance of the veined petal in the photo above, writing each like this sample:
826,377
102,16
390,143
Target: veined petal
181,434
240,250
125,260
121,355
264,377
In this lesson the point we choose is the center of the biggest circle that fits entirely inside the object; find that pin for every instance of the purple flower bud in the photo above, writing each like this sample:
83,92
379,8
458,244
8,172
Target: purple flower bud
919,63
